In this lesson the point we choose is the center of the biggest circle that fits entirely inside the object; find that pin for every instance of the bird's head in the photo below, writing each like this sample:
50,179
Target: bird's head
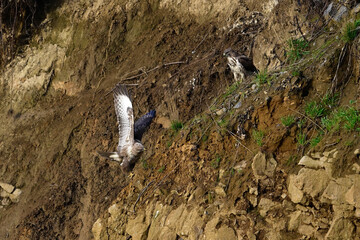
138,147
228,52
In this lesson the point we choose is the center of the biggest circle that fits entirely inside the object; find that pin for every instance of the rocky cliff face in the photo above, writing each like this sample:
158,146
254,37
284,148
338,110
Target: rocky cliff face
236,170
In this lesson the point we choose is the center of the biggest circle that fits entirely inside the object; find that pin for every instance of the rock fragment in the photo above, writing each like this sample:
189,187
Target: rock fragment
15,196
7,187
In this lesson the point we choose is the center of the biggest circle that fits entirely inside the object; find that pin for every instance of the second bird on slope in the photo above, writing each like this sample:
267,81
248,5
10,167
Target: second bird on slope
240,65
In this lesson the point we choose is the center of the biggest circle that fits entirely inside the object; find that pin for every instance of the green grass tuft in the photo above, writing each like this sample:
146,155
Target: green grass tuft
296,49
350,31
287,121
314,141
215,163
329,123
258,137
176,125
348,118
263,77
314,109
223,123
301,139
231,89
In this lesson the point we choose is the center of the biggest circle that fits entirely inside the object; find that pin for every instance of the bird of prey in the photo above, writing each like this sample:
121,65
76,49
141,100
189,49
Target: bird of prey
240,65
129,148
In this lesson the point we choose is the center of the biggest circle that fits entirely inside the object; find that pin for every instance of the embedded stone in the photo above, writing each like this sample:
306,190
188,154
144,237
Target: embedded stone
306,230
316,155
221,111
295,194
265,205
97,229
357,152
341,13
4,193
356,167
310,163
5,201
220,191
15,196
7,187
341,229
335,191
294,221
262,167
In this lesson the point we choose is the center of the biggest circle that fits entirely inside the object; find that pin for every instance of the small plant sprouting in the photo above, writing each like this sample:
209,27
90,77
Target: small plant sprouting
330,123
210,199
351,118
314,141
348,118
288,120
168,144
160,170
330,101
296,49
216,162
231,89
291,160
263,77
232,171
301,123
315,110
144,164
351,31
258,137
323,107
176,125
301,139
296,73
222,123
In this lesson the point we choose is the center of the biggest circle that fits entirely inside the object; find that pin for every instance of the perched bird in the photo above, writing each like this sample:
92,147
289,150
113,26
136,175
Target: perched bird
240,65
130,147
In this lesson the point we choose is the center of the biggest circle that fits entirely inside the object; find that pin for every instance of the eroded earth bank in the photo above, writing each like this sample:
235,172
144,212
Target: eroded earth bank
273,157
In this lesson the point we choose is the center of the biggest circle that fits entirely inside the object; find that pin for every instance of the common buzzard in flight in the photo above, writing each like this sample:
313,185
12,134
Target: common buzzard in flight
240,65
130,147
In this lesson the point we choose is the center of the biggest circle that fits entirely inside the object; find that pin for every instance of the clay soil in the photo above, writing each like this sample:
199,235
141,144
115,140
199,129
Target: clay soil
176,67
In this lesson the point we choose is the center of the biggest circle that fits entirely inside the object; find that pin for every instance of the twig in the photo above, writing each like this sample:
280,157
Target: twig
141,193
299,28
151,70
330,144
306,118
193,51
341,58
203,133
231,133
158,184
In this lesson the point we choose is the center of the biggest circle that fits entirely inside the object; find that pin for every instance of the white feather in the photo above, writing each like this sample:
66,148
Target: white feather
124,113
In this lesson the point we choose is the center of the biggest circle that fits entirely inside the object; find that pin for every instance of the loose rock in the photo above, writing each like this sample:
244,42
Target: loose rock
7,187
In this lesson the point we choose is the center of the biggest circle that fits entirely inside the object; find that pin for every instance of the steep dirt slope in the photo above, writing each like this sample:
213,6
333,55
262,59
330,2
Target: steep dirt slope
202,181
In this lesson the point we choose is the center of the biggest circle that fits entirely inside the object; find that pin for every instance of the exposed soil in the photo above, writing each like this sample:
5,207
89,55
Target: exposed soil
176,67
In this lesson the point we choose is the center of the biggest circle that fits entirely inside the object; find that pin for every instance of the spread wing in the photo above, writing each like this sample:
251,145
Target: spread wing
142,124
247,63
125,116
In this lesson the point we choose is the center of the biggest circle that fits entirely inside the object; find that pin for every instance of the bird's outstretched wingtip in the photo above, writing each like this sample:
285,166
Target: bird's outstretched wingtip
120,89
153,113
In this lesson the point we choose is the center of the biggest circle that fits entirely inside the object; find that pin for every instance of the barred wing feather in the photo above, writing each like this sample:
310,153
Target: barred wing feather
125,117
